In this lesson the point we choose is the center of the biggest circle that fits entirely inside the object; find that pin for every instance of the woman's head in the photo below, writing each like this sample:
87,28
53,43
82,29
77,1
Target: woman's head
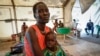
41,12
50,40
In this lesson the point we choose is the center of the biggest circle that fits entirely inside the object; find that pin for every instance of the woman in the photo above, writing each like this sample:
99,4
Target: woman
34,41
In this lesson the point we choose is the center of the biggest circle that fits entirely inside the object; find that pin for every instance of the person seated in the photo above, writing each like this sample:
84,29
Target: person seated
60,24
52,47
17,49
89,27
98,28
74,26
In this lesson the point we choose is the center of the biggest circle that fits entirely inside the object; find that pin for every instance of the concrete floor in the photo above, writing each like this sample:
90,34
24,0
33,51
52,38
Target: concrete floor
5,47
78,47
73,46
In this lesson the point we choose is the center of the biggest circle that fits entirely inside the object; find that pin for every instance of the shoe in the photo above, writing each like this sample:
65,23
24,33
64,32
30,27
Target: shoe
74,34
92,35
87,33
97,37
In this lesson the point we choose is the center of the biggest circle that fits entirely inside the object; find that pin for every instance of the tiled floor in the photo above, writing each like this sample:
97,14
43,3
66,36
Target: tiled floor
77,47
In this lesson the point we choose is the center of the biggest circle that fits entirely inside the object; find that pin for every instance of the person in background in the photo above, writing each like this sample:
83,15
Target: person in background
60,24
34,40
19,47
24,28
98,32
55,25
89,27
74,26
52,47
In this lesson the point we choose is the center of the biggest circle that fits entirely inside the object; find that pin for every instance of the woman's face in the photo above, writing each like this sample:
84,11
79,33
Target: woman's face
42,13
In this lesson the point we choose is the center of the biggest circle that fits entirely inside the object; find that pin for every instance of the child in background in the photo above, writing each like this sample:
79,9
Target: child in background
52,48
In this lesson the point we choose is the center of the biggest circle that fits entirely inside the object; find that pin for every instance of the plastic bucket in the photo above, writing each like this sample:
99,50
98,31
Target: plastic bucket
63,30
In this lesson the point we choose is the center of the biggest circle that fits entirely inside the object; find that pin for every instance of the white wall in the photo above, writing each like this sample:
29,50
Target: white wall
6,29
92,13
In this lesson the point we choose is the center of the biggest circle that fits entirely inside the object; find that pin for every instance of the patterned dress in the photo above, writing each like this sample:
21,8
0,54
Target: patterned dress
59,52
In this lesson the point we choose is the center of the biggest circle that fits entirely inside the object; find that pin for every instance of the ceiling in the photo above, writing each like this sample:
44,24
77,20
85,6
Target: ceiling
84,4
55,3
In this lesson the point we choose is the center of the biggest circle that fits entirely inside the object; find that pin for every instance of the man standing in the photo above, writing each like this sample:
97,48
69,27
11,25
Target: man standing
55,25
24,28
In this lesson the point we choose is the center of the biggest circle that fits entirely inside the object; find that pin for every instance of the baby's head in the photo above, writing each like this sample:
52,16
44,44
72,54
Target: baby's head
50,40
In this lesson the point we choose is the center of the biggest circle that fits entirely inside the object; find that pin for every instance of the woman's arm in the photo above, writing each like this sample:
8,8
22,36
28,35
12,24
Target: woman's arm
34,43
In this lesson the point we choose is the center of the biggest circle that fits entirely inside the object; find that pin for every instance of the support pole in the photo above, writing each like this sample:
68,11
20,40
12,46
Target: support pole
15,17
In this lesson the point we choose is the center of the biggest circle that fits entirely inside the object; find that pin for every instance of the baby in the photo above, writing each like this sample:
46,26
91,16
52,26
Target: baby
52,47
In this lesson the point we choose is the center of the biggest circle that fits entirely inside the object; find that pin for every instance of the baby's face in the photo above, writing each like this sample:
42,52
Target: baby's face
51,41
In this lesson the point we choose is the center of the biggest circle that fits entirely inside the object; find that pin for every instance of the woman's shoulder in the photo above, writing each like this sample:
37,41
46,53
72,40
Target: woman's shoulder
47,28
31,29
